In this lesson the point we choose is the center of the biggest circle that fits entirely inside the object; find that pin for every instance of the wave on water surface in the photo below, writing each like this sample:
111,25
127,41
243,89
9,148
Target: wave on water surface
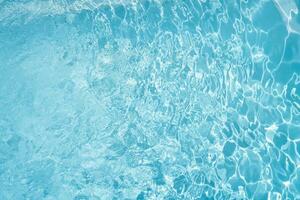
170,99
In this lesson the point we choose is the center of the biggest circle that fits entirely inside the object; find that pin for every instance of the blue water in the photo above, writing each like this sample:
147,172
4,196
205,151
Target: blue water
149,99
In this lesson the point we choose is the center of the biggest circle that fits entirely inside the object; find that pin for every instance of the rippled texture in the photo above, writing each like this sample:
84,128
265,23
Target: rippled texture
186,99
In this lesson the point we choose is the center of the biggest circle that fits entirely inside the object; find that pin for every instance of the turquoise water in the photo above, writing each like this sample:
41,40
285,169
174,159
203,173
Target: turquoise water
149,99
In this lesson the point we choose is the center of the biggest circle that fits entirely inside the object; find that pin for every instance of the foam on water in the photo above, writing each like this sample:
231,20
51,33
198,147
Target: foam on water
149,99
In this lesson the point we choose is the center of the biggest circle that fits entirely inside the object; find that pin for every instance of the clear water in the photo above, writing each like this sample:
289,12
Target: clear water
170,99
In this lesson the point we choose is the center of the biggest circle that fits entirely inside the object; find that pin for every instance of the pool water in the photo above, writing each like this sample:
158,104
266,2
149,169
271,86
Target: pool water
149,99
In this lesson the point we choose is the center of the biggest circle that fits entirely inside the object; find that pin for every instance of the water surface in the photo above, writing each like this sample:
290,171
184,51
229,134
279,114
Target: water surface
149,99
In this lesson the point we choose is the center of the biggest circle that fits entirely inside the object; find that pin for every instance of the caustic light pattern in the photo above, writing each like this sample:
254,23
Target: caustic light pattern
149,99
